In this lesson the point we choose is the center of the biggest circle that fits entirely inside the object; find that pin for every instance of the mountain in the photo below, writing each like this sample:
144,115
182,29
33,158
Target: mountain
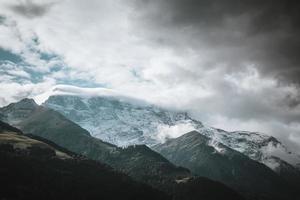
114,120
33,169
148,166
141,123
140,162
47,123
257,146
31,160
221,163
286,171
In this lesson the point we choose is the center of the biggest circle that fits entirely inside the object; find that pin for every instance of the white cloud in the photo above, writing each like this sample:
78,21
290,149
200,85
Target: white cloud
77,91
9,37
165,132
13,92
13,70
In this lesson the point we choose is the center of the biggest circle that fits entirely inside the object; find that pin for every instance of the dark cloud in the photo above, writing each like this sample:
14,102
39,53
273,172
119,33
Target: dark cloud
31,9
263,33
292,102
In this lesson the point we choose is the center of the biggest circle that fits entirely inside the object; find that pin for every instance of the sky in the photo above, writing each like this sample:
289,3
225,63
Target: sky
232,64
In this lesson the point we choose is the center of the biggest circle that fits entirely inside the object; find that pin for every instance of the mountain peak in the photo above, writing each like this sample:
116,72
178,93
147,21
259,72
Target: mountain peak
16,112
28,102
24,104
195,135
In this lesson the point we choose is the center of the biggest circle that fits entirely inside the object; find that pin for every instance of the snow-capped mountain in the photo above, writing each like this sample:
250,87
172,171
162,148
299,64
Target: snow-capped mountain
120,122
194,151
258,146
124,121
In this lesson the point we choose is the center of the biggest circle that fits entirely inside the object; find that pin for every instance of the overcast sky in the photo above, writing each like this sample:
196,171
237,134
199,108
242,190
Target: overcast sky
233,64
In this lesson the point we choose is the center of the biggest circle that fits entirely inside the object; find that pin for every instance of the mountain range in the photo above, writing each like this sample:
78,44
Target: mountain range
35,168
151,145
124,123
253,179
51,125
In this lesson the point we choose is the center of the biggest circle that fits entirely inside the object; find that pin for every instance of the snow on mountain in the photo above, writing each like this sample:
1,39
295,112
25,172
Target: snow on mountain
125,121
120,122
257,146
104,112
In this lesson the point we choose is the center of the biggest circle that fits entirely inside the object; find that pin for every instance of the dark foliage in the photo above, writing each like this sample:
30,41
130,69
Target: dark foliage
203,188
38,175
148,166
6,127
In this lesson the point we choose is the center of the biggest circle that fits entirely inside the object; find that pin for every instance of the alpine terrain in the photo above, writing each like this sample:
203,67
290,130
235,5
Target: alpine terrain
122,121
139,161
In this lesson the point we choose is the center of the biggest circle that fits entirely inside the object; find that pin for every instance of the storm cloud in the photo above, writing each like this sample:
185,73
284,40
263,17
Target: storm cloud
264,33
30,9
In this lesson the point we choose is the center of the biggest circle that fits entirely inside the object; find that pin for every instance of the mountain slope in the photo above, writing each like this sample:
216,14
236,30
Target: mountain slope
142,163
116,121
257,146
33,169
49,124
105,116
203,188
223,164
148,166
139,162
